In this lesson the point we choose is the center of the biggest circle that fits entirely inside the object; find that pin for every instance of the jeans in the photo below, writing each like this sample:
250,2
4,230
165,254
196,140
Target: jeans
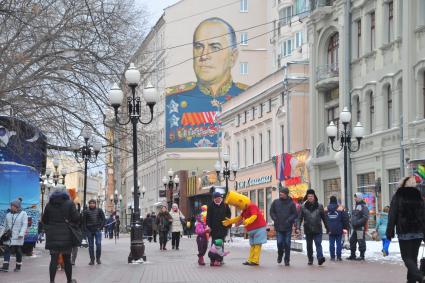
175,239
91,236
54,266
386,245
284,244
317,238
409,253
9,249
338,240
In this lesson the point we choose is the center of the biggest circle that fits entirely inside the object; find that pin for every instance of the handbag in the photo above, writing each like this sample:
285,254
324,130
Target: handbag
422,265
77,234
7,235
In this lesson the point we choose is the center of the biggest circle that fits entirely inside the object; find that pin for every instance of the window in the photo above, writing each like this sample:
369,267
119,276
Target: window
238,148
243,6
372,31
298,39
261,110
253,113
253,196
245,151
269,105
244,38
261,200
243,68
286,47
371,113
285,16
245,116
333,46
366,185
359,38
268,203
269,144
390,21
260,139
393,179
282,98
389,107
282,138
238,120
358,109
253,150
301,6
332,187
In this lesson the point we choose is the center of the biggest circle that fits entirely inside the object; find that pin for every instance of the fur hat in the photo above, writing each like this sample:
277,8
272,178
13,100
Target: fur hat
16,203
310,192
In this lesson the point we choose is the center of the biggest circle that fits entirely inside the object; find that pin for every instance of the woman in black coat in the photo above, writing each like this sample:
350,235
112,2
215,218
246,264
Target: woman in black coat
163,222
59,238
147,226
407,215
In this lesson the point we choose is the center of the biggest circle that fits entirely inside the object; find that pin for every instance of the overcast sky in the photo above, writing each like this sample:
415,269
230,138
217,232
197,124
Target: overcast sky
155,7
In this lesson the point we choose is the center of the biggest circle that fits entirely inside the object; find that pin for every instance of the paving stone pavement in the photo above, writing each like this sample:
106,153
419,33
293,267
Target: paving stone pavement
173,266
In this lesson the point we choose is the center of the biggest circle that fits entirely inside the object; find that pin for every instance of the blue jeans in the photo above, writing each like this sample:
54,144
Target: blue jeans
10,249
284,244
338,240
317,238
91,236
386,245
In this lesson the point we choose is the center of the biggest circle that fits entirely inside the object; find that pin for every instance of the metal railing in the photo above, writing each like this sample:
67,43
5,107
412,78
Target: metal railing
327,71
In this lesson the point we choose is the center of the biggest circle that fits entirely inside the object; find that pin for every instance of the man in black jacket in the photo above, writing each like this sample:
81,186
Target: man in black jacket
284,213
313,213
94,220
359,219
216,213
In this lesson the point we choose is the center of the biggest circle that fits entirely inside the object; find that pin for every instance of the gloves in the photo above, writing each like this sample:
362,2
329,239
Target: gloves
227,222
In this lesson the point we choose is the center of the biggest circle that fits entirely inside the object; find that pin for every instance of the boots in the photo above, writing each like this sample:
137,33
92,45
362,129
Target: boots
279,256
18,267
91,261
5,267
201,260
361,256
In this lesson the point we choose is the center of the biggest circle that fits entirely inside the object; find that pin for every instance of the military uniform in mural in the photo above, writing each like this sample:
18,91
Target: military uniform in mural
192,113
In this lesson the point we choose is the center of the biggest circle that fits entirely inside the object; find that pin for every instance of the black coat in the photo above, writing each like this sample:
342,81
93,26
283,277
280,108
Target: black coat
215,215
58,235
312,214
147,226
407,212
94,219
359,216
163,221
284,213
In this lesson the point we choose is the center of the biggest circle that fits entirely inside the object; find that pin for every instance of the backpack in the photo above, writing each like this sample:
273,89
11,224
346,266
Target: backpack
335,222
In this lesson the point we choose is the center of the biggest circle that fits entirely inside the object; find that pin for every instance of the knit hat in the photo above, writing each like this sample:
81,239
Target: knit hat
218,242
359,196
16,203
217,194
333,200
284,190
92,201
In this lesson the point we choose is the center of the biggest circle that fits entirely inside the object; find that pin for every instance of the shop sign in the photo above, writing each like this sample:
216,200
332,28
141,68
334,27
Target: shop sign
254,181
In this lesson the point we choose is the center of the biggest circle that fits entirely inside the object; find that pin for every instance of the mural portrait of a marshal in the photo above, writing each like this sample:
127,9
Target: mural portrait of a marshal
192,108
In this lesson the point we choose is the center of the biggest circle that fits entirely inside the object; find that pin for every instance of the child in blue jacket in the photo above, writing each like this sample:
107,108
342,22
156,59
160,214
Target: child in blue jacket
381,228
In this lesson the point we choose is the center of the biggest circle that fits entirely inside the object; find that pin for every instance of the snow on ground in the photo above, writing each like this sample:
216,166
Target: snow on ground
373,249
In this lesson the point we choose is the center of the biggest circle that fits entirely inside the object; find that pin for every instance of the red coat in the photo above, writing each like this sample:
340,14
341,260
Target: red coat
253,209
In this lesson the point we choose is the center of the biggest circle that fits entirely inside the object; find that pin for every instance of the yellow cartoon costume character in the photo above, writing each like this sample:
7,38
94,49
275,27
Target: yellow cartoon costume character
254,222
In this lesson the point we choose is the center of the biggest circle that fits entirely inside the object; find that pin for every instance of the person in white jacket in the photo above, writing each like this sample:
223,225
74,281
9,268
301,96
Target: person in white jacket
176,225
17,222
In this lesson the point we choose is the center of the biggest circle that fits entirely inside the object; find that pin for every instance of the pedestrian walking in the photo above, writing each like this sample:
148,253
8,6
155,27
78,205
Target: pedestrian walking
12,233
60,212
163,222
359,222
117,226
110,223
312,214
176,225
154,226
284,214
202,231
217,212
338,222
94,219
381,228
147,227
407,215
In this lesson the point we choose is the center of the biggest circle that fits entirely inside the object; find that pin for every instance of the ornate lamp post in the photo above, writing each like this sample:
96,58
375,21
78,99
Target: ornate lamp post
86,153
345,144
171,184
56,174
42,190
226,171
132,75
115,198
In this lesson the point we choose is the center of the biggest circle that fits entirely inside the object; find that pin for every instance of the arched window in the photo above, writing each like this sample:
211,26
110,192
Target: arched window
333,46
371,112
358,109
389,107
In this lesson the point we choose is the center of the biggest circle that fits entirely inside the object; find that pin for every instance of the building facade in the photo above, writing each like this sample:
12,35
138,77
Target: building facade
377,70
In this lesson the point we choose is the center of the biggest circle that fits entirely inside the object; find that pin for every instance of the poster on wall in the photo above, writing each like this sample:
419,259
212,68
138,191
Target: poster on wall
192,108
370,200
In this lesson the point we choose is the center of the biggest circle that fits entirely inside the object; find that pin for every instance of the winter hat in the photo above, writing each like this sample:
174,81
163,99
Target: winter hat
284,190
310,192
16,203
218,242
359,196
333,200
217,194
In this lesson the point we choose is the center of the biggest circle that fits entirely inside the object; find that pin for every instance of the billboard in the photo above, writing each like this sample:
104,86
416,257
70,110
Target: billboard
192,108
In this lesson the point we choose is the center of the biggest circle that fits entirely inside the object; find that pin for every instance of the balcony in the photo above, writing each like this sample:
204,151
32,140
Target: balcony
320,8
316,4
327,76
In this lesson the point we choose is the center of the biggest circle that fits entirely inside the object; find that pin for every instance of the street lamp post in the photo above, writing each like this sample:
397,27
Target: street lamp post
132,75
171,183
56,174
226,171
115,198
42,190
345,143
86,153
